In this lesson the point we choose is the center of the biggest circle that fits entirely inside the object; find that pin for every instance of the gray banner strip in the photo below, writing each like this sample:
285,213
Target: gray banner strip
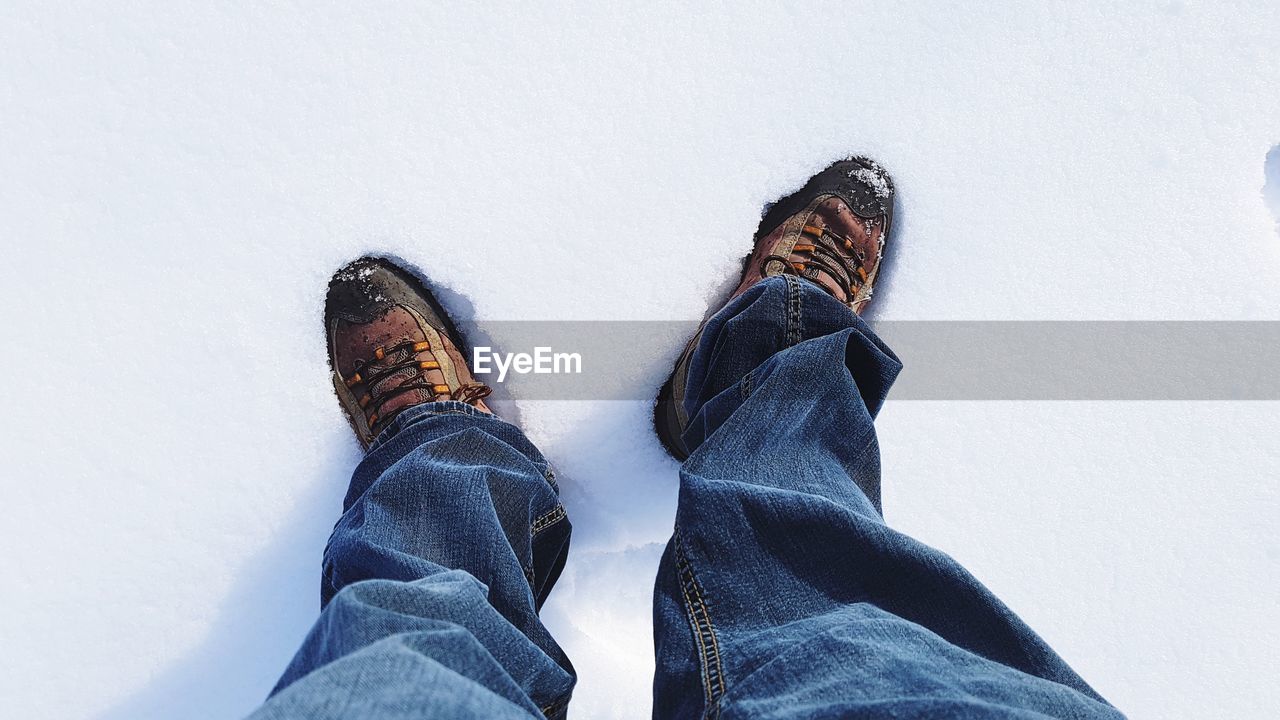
944,360
1086,360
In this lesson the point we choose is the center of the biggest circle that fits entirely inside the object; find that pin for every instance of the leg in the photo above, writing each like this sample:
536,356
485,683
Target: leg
782,593
451,537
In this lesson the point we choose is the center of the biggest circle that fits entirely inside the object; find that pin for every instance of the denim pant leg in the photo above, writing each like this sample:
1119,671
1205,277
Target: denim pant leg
782,593
451,537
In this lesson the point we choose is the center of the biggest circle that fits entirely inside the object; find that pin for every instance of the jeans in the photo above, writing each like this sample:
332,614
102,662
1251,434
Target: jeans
781,594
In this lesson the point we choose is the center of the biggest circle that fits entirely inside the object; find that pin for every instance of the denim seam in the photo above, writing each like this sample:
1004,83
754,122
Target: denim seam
547,519
703,631
795,313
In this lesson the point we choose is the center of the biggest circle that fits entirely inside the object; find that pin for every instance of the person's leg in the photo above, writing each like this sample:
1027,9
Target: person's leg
782,592
451,537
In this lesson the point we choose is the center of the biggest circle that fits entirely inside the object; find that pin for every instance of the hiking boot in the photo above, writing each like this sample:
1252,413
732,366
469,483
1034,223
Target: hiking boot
391,347
831,232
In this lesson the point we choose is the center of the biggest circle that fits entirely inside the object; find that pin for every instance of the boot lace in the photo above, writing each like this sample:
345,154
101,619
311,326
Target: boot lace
835,255
377,375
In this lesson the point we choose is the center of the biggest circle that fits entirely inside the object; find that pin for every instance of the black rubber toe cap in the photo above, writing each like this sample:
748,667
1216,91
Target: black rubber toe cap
363,289
862,183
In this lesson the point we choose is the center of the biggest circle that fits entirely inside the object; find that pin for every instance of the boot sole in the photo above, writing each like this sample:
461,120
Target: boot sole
666,423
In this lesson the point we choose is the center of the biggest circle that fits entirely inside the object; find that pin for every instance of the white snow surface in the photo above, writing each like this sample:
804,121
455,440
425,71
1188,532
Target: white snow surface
180,180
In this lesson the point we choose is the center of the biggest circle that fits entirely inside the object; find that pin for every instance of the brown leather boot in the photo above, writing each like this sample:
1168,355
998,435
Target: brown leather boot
831,232
391,346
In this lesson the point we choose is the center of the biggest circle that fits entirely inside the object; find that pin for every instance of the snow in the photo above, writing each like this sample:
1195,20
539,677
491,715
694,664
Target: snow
181,179
1271,191
876,180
